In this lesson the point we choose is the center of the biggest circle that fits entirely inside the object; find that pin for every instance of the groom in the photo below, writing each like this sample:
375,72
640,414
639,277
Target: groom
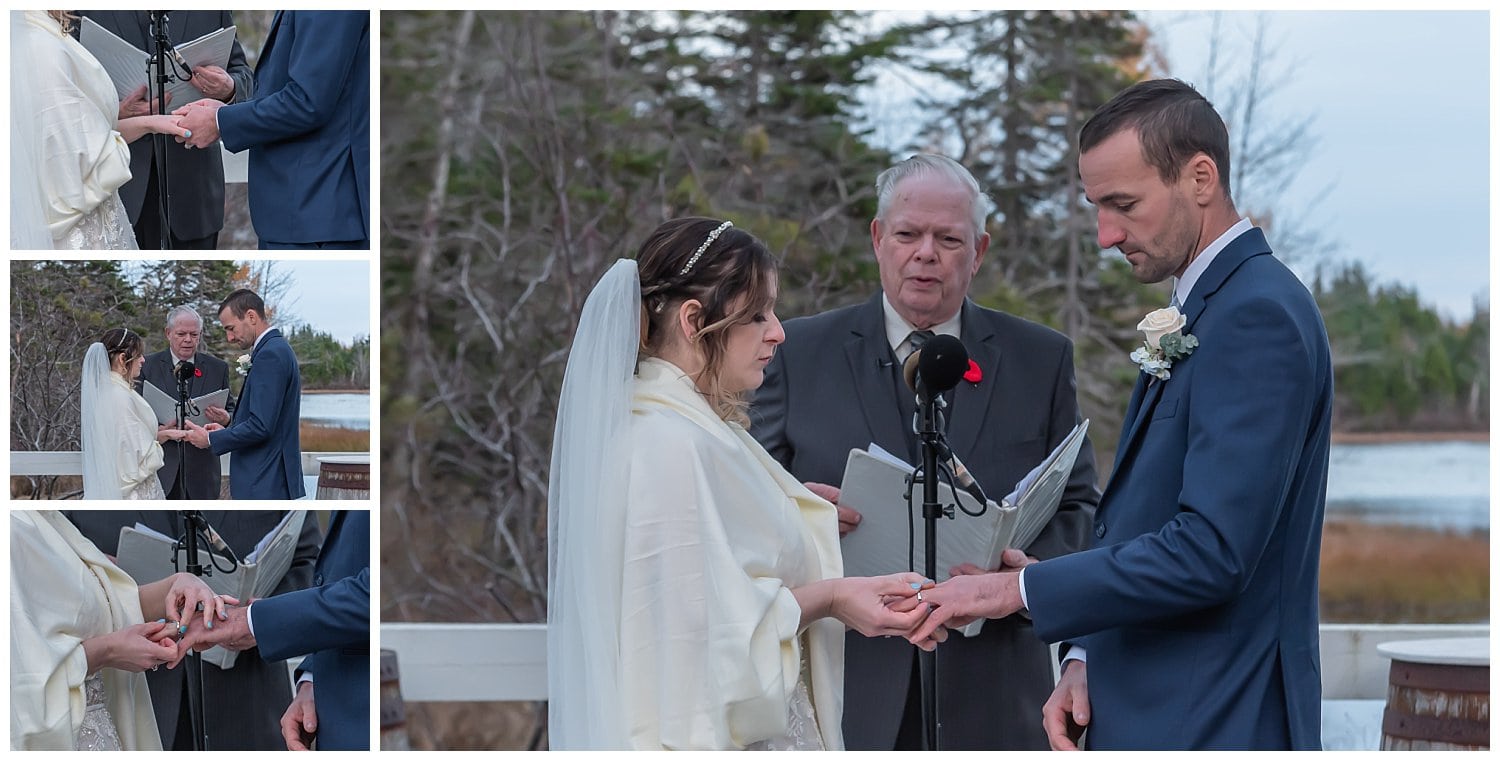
1197,607
307,130
263,435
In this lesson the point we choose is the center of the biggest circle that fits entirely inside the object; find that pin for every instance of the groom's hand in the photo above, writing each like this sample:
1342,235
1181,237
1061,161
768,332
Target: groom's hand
231,632
1066,713
963,599
201,119
197,435
300,722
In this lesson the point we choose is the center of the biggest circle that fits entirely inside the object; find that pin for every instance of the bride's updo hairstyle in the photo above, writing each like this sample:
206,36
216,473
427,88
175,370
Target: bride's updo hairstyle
716,263
124,343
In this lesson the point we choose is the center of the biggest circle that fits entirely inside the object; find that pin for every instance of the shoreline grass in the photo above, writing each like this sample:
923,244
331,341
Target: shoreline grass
1397,574
332,438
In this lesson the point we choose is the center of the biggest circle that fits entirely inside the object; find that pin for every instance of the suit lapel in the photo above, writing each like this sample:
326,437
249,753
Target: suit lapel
270,40
1146,394
974,398
870,366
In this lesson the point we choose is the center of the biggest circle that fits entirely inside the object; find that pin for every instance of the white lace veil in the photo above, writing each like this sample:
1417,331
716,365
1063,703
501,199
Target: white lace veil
28,219
101,478
585,518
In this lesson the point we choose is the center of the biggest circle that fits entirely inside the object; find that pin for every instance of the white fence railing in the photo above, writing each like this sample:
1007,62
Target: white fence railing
71,463
486,662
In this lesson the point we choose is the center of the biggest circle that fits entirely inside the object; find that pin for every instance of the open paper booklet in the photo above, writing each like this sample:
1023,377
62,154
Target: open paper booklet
165,405
875,485
146,554
127,64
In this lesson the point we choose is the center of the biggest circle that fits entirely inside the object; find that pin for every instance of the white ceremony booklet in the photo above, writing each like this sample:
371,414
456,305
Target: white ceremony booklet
127,64
165,405
875,485
146,554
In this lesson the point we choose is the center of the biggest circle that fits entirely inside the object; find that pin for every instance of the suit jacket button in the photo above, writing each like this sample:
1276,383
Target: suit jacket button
1099,530
318,580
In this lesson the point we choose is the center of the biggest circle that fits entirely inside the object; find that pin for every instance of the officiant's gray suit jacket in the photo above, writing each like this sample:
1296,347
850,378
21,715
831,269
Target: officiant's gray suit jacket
834,386
244,704
204,475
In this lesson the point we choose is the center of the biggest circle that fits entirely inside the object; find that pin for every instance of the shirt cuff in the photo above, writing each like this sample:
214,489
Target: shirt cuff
1076,653
1022,582
250,618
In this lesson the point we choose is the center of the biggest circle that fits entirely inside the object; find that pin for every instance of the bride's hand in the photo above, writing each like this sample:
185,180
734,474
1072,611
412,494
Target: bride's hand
165,433
166,124
134,648
880,605
188,592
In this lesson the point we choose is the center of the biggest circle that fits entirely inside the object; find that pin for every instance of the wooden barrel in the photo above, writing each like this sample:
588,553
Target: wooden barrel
1439,695
392,709
344,477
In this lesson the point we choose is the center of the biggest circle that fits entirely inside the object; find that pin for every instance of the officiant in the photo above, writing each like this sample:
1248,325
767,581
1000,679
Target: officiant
836,385
196,177
243,704
202,477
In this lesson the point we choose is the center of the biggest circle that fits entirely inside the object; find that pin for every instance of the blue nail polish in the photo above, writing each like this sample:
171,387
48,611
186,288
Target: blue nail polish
210,623
189,133
223,616
916,585
161,620
182,629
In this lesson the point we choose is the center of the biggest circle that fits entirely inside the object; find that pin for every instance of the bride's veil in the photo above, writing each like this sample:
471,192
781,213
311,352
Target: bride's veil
585,518
100,451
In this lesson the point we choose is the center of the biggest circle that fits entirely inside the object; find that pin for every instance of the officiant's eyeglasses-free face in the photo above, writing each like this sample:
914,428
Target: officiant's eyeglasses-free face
183,336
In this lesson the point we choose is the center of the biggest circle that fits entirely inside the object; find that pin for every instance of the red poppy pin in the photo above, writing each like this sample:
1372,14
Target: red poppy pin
199,373
974,374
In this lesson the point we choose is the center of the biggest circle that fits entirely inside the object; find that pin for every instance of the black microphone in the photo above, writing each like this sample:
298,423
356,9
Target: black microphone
936,367
185,371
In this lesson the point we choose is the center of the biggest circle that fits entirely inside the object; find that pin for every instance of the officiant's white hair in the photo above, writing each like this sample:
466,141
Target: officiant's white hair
181,311
921,164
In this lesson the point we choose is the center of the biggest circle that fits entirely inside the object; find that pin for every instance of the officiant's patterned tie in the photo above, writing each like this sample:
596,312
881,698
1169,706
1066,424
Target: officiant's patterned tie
914,341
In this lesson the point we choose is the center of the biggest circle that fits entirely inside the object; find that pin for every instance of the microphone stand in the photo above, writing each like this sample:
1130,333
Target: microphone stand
929,429
193,523
159,141
184,403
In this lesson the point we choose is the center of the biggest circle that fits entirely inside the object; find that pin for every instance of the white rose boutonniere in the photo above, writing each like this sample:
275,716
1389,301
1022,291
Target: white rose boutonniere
243,364
1164,342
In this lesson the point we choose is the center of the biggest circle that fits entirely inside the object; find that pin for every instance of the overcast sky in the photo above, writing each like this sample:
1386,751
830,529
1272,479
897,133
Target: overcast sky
333,297
1400,102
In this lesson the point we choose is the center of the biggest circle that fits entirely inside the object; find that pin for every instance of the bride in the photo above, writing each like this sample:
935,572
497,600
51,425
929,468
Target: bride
78,644
696,592
121,441
68,146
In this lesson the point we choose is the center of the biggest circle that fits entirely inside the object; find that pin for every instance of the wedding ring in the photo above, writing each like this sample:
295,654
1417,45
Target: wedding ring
919,596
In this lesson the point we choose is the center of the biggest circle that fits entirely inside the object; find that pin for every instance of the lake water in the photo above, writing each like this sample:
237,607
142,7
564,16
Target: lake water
342,410
1441,485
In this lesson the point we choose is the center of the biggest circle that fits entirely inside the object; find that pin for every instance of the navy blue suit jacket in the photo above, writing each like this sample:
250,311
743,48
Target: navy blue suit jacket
330,623
1199,602
264,435
309,129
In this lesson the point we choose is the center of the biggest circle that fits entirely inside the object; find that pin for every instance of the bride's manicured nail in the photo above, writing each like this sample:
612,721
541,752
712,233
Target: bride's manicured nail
188,133
916,585
223,616
161,620
210,623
